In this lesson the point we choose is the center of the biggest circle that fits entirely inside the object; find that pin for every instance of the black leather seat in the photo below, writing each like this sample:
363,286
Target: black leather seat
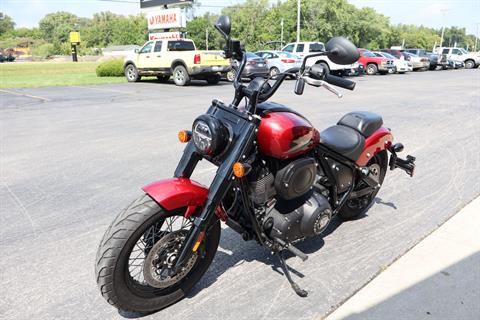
344,140
364,122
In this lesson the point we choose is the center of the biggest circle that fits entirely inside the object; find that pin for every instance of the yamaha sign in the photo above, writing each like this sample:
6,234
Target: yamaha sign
166,19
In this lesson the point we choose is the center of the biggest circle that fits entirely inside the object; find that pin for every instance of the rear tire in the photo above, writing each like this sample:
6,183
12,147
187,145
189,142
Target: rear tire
356,207
274,72
181,76
113,268
231,74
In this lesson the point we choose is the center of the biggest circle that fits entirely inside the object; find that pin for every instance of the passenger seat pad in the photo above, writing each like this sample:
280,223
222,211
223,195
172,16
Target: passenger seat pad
344,140
366,123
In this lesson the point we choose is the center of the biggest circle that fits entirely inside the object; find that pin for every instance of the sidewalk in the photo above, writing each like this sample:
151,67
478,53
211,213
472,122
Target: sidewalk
437,279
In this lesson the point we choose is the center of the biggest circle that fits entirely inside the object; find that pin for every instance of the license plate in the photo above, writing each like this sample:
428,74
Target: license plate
215,68
260,64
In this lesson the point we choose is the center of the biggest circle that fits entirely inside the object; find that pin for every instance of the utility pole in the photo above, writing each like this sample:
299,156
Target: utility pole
476,37
281,35
298,20
444,13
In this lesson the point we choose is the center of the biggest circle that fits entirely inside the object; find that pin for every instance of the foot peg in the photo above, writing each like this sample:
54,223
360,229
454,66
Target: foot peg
292,249
407,165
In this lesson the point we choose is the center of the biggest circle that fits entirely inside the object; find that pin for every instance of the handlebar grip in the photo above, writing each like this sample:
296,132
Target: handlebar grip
339,82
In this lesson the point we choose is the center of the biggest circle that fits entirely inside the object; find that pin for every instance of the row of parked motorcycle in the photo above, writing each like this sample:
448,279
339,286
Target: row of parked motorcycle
384,61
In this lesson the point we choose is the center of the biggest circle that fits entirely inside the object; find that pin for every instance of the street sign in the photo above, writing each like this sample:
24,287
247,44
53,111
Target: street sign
165,36
166,19
75,37
160,3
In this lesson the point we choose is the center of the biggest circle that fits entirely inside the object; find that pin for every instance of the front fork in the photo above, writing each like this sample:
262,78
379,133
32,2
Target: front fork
407,165
242,142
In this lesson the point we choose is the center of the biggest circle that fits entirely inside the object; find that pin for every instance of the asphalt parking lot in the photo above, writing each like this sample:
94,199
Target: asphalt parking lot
72,157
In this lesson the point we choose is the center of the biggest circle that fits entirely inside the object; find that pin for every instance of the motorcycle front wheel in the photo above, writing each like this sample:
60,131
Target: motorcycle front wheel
134,258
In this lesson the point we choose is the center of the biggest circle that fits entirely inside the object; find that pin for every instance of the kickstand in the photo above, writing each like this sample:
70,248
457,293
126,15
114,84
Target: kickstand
299,291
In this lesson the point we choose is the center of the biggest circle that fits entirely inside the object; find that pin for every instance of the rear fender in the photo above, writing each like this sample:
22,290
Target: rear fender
379,140
177,193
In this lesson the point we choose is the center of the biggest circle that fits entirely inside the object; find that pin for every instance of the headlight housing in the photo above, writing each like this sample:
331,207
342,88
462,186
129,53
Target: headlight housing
209,135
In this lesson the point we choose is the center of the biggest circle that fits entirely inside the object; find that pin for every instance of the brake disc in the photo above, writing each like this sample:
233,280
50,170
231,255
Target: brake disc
157,269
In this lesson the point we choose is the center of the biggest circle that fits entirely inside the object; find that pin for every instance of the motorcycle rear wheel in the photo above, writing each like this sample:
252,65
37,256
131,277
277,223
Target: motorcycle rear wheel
120,277
353,208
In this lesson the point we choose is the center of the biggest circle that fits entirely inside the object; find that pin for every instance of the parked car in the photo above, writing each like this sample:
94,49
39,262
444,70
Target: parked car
256,66
374,64
302,49
6,58
180,58
400,66
418,63
437,60
278,61
471,60
397,53
432,59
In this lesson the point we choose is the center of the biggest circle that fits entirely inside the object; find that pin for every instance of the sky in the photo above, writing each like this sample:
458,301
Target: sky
461,13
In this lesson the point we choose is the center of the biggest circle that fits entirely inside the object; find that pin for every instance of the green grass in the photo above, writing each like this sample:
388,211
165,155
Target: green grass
44,74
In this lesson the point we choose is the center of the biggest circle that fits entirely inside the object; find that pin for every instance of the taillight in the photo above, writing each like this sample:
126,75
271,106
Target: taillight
288,60
196,59
251,62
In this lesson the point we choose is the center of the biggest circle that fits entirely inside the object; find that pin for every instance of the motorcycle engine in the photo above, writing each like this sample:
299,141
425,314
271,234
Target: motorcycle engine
288,207
310,217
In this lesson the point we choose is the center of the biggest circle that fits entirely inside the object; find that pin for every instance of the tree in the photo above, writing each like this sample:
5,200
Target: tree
55,27
6,24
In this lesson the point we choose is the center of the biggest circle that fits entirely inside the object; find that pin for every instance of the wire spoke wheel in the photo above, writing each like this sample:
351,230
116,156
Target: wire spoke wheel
176,227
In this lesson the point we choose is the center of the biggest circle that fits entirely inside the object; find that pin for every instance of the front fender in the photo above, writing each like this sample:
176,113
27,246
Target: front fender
177,193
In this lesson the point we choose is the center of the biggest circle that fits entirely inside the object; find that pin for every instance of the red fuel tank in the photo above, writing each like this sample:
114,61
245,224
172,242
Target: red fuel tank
284,135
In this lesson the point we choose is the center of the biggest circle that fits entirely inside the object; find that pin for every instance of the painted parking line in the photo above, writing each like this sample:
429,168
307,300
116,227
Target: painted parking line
25,95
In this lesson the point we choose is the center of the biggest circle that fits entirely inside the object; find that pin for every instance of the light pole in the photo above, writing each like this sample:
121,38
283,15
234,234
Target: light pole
298,20
444,13
281,34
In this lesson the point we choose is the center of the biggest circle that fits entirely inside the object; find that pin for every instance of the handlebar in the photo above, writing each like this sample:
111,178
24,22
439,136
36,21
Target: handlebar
318,72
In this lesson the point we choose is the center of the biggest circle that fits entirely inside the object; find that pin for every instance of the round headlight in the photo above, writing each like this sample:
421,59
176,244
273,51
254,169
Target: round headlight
209,135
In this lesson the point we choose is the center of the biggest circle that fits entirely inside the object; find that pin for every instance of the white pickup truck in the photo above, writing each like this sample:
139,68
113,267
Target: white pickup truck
471,60
302,49
178,58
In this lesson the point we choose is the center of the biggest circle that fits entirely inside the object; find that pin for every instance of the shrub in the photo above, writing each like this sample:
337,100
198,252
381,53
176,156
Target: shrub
44,50
111,68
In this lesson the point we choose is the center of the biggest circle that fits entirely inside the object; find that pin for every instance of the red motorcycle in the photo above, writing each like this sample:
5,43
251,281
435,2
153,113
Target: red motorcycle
278,181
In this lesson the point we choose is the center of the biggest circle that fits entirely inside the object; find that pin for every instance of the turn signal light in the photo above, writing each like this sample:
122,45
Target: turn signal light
184,136
241,169
199,241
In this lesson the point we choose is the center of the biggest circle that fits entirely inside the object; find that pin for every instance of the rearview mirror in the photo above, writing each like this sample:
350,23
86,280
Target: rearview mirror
342,51
136,50
223,25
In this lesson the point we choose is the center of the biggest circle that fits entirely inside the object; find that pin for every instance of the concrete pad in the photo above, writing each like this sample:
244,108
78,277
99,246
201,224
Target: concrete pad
437,279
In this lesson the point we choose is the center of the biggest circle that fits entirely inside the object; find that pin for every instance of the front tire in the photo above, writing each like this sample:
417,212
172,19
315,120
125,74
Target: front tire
358,206
469,64
371,69
116,273
131,73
